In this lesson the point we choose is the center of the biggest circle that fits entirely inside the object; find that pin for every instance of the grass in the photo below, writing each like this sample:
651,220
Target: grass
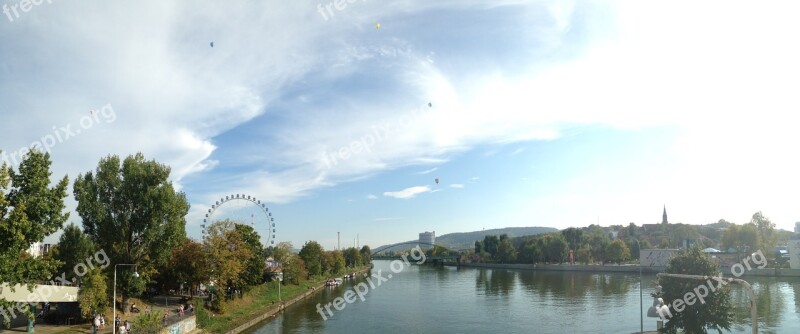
254,303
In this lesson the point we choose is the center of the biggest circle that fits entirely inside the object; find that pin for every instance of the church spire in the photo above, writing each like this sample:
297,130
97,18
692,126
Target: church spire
664,216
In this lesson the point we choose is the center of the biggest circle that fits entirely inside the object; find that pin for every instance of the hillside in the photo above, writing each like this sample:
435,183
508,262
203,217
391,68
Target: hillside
466,240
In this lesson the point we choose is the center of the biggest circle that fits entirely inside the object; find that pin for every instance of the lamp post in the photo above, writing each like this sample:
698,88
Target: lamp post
114,297
641,304
280,279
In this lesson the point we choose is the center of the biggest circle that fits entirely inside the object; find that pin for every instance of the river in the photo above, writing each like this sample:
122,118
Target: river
429,299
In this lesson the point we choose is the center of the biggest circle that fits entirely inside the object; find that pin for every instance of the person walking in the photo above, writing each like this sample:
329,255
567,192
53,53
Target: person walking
95,324
127,326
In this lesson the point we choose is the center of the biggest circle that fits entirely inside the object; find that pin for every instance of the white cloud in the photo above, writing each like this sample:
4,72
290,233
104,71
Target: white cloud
457,185
427,171
371,196
386,219
408,192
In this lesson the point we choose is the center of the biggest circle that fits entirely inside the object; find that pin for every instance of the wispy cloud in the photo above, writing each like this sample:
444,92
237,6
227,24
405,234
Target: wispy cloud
408,193
427,171
457,185
371,196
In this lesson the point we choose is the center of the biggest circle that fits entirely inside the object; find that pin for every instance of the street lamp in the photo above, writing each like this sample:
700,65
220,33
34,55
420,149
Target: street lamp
280,279
114,297
641,305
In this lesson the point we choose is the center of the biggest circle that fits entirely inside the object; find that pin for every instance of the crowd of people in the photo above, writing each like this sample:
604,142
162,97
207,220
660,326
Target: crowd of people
99,323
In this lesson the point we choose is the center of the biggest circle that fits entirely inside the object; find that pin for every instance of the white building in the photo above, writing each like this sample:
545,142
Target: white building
37,249
426,239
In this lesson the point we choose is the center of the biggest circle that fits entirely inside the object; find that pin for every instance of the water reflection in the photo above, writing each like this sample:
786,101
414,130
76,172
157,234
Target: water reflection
495,282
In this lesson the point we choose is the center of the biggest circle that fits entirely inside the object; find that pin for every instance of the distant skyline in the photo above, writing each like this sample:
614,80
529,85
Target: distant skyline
529,113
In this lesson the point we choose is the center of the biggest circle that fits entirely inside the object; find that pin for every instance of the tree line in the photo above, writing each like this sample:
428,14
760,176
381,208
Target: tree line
132,213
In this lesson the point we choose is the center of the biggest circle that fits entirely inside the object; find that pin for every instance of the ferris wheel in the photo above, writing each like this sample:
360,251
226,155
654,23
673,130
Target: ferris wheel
243,209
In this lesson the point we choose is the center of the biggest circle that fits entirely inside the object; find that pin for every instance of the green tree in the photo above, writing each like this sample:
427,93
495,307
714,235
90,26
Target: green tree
506,252
338,264
617,251
281,252
147,323
573,237
188,263
584,255
766,230
716,313
294,269
490,244
93,295
311,253
253,273
479,247
366,255
633,246
132,212
744,238
228,256
29,210
352,257
530,252
598,243
73,248
556,248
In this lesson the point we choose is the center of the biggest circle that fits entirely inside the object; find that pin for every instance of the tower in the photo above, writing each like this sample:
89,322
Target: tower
664,216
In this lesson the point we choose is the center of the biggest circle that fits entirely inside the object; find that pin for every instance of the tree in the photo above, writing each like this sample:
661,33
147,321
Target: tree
294,269
743,238
93,295
584,255
598,243
132,212
148,323
281,252
338,264
253,273
617,251
716,313
530,252
490,244
229,256
188,263
352,257
479,247
73,248
506,252
573,237
366,255
311,253
766,229
634,247
29,210
556,248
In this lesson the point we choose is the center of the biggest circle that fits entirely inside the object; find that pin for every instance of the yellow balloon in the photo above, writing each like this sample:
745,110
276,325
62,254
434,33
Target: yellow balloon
377,25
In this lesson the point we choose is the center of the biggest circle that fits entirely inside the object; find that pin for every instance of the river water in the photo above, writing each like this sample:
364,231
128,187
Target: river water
429,299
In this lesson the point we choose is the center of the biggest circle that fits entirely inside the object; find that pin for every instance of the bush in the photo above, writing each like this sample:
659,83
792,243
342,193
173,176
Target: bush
149,323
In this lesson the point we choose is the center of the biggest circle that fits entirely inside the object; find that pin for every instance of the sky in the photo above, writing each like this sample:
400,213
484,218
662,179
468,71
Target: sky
341,115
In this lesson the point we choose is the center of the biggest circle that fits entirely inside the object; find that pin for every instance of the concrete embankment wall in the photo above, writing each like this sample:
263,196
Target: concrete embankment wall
726,271
184,326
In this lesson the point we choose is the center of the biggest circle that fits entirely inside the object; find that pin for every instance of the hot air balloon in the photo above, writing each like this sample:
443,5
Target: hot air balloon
377,25
437,180
212,44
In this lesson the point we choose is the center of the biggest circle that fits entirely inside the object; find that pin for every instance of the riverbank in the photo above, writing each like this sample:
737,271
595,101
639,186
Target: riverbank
767,272
259,306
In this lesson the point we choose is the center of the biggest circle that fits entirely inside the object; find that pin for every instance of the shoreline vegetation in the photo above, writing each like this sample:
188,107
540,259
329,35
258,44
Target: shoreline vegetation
774,272
259,304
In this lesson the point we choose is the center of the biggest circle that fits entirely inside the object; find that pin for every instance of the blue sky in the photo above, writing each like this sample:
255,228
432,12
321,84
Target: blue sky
542,113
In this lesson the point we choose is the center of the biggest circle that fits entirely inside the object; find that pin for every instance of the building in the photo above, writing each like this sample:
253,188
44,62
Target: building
797,227
664,216
37,249
427,239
